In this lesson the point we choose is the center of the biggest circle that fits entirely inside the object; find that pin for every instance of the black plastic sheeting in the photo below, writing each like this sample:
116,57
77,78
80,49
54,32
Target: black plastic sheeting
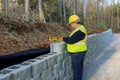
19,57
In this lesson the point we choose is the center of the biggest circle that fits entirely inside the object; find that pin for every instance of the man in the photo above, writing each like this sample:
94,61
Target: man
76,46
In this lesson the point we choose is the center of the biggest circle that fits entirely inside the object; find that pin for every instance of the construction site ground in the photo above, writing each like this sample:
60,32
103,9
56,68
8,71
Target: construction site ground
19,35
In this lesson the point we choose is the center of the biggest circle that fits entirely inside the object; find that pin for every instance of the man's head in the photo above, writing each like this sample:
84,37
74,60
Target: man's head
74,21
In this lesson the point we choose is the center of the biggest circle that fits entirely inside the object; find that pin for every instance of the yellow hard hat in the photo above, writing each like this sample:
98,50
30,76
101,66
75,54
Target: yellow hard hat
73,18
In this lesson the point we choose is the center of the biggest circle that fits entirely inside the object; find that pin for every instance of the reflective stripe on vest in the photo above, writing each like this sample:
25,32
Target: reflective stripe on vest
80,46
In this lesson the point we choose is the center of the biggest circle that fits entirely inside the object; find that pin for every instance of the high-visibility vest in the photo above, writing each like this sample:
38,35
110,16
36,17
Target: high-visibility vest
80,46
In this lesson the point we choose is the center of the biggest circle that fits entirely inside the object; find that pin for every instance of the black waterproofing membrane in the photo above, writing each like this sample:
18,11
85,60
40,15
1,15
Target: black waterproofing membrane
19,57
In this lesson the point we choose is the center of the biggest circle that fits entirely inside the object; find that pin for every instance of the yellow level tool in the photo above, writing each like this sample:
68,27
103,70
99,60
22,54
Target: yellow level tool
54,38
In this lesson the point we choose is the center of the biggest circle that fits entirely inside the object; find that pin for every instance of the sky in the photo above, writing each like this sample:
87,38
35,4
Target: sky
109,1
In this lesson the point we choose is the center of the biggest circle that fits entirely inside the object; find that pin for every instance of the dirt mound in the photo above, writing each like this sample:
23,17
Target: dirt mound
94,31
17,25
18,35
52,28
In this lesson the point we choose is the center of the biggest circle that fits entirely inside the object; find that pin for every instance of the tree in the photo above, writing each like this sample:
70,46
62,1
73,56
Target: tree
41,14
85,11
118,15
21,1
64,11
27,13
74,7
0,6
60,10
4,7
98,13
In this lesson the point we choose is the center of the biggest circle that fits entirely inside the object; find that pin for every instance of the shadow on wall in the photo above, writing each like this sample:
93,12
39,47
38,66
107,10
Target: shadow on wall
98,54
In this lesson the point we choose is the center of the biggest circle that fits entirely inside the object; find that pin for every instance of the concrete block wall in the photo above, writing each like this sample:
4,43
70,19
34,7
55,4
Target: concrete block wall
96,46
55,65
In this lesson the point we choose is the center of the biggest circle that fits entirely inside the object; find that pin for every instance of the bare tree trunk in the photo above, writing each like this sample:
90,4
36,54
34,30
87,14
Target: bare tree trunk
70,6
27,12
85,11
41,14
64,12
49,7
36,14
60,11
81,9
98,13
76,7
0,6
4,7
74,10
112,4
118,13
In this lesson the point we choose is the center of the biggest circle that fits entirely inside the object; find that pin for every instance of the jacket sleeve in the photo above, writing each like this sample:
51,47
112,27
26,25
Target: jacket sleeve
79,35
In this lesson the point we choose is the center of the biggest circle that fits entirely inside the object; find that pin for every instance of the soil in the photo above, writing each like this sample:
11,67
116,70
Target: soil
94,31
19,35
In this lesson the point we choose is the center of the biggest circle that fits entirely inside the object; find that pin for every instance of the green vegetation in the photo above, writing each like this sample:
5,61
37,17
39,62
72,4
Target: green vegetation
116,10
102,25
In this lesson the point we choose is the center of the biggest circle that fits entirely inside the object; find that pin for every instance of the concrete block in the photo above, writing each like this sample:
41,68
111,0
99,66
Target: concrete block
67,54
70,67
71,74
5,75
69,60
38,66
55,77
67,70
36,78
51,60
57,68
21,72
58,47
63,64
46,75
61,75
64,55
54,69
60,57
67,77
